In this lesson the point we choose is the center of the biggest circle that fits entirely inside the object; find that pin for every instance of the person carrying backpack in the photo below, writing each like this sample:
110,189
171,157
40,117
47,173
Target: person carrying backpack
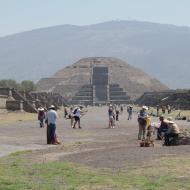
77,113
142,120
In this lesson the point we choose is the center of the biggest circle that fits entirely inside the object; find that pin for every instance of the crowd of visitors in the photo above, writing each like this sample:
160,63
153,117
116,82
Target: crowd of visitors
167,129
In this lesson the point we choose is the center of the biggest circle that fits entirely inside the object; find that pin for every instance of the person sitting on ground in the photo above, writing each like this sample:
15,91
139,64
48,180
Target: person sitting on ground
173,132
162,129
142,122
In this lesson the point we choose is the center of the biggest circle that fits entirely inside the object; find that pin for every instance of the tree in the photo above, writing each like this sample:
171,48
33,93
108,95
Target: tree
8,83
27,85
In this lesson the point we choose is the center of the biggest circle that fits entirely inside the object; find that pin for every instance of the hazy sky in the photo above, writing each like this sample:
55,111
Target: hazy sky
22,15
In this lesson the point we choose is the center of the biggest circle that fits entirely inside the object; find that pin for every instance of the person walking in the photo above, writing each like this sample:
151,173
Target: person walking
117,114
51,118
77,113
71,116
111,116
41,116
130,112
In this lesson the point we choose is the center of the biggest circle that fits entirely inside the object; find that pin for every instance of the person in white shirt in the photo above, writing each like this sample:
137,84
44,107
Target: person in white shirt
51,118
77,115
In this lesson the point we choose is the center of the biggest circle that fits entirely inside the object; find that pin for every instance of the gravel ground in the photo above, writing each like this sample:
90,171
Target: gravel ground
94,145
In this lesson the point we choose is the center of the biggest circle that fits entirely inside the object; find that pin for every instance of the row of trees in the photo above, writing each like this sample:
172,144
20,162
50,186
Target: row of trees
26,85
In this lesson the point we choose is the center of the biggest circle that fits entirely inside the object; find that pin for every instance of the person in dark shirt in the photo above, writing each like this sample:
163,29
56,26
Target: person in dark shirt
162,129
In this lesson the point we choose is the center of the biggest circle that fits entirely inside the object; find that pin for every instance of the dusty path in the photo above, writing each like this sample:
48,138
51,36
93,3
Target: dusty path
93,145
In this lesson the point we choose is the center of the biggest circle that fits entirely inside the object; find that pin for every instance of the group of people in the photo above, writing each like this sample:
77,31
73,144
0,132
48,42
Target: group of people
50,116
114,112
163,108
167,129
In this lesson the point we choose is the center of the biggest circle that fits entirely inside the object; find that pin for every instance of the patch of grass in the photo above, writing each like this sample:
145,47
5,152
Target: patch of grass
19,172
8,118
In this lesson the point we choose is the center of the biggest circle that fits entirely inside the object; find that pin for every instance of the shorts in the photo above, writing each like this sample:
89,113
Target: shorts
77,118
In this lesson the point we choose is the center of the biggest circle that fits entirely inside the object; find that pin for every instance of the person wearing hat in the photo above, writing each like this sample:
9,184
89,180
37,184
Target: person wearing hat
51,118
41,116
130,112
78,113
162,129
142,122
173,131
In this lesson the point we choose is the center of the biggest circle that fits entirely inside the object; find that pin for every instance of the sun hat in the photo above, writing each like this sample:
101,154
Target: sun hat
40,109
145,107
52,107
169,120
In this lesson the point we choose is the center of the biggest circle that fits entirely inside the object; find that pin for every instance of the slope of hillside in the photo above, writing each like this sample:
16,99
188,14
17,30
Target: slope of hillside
134,81
160,50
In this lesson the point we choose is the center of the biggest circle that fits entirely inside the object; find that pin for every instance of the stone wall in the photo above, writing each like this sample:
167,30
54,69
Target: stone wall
3,100
13,105
177,99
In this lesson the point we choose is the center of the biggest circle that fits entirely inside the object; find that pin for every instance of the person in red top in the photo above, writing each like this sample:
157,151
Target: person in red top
41,116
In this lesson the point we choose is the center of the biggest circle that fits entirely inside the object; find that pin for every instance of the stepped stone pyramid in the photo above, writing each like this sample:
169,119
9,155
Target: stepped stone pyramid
97,80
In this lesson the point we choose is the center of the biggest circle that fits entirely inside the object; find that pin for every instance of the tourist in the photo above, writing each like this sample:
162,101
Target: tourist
117,114
172,133
121,108
162,129
41,116
169,109
78,113
51,118
130,112
65,113
71,116
142,122
163,109
111,116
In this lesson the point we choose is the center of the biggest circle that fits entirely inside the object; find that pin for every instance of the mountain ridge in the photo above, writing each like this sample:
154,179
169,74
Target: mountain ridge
159,49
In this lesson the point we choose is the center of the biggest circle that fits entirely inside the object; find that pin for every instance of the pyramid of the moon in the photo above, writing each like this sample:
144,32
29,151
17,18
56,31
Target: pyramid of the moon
100,80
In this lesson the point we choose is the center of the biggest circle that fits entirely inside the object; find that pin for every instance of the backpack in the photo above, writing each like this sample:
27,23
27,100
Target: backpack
74,112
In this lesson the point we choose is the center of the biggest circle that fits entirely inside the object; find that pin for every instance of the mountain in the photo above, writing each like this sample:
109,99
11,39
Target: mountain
160,50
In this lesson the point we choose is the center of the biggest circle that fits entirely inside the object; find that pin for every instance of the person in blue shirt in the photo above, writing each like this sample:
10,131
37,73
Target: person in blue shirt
51,118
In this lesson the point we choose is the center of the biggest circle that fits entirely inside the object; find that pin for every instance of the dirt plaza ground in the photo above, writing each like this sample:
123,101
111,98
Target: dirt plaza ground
94,145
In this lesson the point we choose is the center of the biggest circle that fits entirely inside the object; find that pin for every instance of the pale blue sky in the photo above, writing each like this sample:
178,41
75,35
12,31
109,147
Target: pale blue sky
22,15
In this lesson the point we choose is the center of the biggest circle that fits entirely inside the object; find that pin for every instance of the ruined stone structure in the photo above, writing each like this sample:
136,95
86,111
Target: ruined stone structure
175,98
3,100
13,100
99,80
